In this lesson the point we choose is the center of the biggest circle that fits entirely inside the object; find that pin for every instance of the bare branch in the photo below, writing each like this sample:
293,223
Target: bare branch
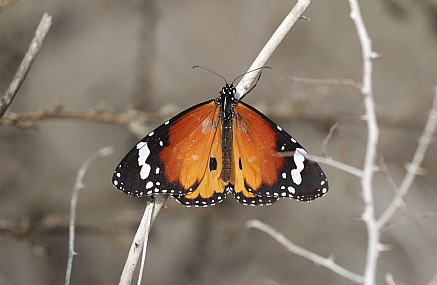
280,33
22,233
373,244
328,138
331,81
320,260
389,279
103,152
5,3
141,237
328,161
40,34
337,164
95,114
414,166
408,219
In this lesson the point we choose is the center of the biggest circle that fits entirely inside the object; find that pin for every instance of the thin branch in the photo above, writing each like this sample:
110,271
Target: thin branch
414,167
141,238
328,81
328,138
40,34
320,260
22,233
5,3
373,244
328,161
134,117
280,33
389,279
337,164
407,219
103,152
95,114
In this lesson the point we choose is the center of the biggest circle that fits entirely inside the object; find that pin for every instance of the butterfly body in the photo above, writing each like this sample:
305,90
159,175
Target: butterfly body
217,147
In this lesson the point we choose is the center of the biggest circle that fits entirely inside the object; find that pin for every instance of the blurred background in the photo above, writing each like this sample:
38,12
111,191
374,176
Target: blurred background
138,55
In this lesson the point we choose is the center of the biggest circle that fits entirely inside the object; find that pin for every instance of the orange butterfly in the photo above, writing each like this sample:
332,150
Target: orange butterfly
217,147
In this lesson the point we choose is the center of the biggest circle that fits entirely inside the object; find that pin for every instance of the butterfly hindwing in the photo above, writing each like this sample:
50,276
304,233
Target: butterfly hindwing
262,171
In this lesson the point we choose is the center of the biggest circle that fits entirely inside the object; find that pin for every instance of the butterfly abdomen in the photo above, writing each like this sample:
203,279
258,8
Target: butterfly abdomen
227,102
226,150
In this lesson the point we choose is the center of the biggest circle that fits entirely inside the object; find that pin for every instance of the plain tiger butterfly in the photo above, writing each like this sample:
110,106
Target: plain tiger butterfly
218,147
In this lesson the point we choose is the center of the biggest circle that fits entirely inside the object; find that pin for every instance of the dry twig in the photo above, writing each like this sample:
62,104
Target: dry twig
374,245
273,43
40,34
141,237
329,81
323,261
73,202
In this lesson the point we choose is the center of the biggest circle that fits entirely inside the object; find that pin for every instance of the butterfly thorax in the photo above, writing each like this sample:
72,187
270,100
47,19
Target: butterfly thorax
227,103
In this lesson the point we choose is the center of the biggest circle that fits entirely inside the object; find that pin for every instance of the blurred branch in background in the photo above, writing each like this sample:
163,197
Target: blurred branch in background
374,225
131,119
103,152
5,3
317,259
40,34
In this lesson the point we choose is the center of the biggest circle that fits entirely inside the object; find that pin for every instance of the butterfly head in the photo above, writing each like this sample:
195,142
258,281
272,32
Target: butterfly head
228,90
227,101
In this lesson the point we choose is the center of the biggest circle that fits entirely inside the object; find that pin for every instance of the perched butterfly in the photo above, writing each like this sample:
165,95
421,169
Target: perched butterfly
217,147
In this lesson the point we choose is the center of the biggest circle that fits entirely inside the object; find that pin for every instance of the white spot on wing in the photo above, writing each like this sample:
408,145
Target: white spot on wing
298,160
279,128
149,185
143,154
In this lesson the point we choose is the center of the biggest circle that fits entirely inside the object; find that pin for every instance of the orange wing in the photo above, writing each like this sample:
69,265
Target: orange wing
194,157
259,175
182,157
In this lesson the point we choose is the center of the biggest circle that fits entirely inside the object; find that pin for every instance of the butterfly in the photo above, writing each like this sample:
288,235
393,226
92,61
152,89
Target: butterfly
218,147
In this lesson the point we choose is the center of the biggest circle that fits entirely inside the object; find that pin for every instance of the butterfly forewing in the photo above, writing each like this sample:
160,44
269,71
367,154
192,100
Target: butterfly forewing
202,158
264,171
173,158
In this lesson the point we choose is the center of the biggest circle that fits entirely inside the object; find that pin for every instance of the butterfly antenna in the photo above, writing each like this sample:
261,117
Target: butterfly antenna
198,66
256,82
